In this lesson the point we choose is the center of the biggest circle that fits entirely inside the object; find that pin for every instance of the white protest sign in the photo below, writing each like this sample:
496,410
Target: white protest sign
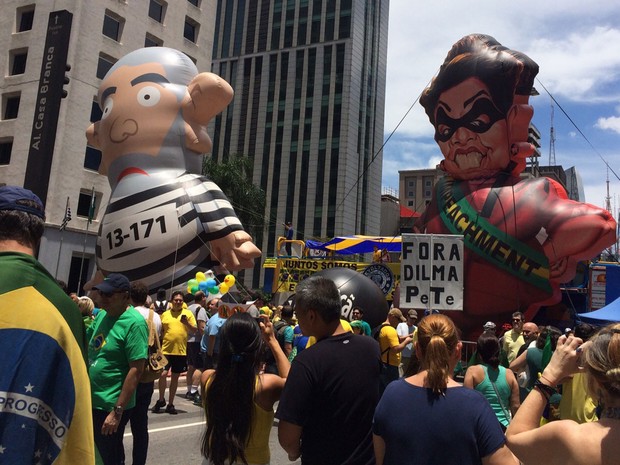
431,273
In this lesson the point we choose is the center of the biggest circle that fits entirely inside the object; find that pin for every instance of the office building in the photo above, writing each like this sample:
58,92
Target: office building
58,164
309,77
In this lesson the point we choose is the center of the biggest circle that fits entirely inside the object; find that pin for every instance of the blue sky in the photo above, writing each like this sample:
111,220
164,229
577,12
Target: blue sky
575,43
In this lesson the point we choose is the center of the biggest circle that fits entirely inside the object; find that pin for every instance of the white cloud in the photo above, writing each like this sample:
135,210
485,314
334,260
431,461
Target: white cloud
612,123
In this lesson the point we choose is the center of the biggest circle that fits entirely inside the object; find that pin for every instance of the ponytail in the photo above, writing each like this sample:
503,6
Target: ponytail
438,339
437,359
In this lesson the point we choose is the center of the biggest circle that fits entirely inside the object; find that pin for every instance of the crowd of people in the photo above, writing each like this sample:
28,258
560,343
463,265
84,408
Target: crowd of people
345,393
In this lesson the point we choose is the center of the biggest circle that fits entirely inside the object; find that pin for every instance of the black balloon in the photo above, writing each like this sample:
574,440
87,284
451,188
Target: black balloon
356,290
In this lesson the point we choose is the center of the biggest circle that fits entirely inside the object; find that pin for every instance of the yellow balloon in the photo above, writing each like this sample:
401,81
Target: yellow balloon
200,276
189,290
223,288
229,280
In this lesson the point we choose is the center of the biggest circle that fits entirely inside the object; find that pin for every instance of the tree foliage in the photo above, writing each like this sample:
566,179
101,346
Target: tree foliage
234,176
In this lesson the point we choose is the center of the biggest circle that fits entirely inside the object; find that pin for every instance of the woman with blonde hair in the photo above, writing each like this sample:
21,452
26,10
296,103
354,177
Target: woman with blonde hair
86,306
565,441
429,417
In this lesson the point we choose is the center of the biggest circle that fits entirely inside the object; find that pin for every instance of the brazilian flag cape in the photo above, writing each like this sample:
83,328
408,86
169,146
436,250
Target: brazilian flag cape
45,403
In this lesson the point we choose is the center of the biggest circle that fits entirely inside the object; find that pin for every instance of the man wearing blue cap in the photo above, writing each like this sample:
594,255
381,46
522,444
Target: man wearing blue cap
116,352
44,390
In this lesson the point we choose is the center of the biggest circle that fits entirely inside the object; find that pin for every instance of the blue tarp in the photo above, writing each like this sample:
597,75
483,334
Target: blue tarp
357,244
608,314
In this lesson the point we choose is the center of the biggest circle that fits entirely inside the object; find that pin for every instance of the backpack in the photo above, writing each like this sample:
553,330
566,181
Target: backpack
199,333
161,306
375,335
278,328
377,330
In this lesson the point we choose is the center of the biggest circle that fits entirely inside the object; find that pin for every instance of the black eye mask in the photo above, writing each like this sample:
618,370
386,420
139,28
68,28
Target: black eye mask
469,121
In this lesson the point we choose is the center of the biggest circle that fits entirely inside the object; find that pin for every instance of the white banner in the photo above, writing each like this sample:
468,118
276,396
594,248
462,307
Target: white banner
431,271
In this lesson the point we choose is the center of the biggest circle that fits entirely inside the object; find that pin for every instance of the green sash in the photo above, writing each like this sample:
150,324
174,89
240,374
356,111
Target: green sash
489,242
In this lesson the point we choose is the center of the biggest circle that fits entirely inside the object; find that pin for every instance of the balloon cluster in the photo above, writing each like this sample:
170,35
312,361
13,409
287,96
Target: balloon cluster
207,283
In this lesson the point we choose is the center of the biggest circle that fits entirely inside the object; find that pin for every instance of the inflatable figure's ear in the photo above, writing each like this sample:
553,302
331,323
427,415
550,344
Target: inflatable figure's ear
518,123
92,135
518,120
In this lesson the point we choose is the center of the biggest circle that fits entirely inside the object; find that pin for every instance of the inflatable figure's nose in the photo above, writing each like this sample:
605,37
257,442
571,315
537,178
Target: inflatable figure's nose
122,131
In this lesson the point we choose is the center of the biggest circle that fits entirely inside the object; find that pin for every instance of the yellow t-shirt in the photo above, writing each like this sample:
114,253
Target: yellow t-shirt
257,447
576,403
512,343
174,341
345,325
388,337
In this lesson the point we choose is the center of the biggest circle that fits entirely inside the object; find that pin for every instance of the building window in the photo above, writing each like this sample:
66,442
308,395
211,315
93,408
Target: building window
112,25
84,202
190,31
196,3
92,158
6,147
17,61
79,263
95,112
104,65
410,203
157,10
410,194
152,41
10,106
25,18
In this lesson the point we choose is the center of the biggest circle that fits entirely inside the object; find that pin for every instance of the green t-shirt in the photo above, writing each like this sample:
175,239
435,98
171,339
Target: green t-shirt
114,343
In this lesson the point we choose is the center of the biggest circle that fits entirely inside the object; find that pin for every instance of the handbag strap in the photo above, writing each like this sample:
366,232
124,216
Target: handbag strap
153,332
501,403
157,341
149,323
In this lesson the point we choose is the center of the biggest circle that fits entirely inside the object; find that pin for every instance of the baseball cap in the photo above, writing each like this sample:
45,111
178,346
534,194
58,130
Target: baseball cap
20,199
397,313
356,324
489,325
114,282
412,314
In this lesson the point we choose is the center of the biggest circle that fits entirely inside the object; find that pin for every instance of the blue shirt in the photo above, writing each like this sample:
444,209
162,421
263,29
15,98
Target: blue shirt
212,329
419,427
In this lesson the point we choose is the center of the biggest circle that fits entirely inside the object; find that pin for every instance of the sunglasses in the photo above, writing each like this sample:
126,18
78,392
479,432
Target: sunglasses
109,294
177,300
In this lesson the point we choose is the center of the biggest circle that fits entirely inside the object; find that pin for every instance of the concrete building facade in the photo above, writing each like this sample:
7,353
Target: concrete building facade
101,32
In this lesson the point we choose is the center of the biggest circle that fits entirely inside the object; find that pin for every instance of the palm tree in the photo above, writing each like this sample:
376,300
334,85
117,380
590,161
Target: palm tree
234,176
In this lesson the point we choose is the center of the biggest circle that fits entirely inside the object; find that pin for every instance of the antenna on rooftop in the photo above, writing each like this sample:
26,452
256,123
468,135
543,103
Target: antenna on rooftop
552,140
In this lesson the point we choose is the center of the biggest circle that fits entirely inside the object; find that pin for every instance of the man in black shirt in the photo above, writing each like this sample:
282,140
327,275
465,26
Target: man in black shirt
330,395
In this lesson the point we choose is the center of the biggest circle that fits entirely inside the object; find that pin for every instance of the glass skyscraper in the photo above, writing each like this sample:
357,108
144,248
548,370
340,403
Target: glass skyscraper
309,79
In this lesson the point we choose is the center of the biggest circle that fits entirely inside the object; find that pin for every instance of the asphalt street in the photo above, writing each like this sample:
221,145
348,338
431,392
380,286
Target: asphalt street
176,439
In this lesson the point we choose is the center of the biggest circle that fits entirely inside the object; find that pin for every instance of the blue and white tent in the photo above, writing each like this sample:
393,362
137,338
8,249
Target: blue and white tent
608,314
